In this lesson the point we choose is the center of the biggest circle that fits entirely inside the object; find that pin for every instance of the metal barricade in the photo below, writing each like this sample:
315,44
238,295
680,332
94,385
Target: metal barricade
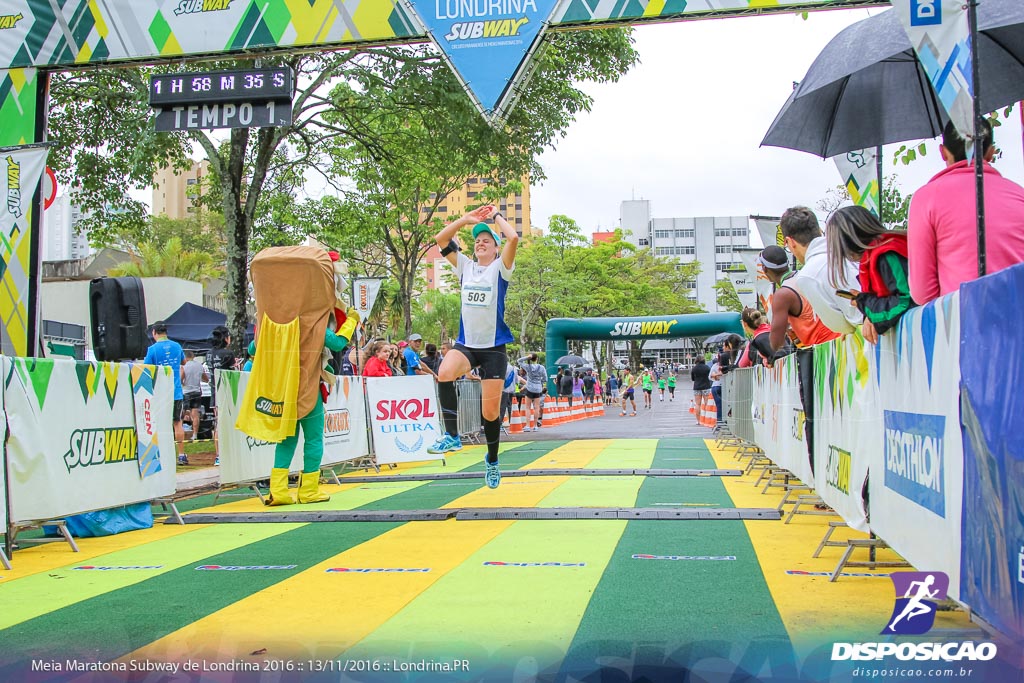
470,402
737,395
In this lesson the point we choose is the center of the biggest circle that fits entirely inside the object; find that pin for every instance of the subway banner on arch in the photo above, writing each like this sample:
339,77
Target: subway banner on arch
74,445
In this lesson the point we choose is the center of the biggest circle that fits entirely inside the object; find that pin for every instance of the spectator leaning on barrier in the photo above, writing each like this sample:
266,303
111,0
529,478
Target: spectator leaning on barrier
803,238
167,352
413,364
377,362
855,234
790,309
431,358
942,241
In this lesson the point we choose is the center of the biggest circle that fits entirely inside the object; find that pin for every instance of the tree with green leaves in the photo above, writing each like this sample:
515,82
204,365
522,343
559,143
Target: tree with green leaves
168,259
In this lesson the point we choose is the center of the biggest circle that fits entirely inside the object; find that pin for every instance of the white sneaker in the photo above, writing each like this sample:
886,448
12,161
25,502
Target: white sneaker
534,429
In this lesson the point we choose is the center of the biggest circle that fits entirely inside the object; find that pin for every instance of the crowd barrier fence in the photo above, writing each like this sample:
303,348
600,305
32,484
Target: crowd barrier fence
891,454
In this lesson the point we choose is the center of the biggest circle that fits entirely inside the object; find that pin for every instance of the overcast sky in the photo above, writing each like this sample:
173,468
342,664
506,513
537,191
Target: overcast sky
682,129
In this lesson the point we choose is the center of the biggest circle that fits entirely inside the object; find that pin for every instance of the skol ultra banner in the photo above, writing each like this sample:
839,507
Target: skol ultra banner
859,172
22,169
939,32
73,445
244,459
405,417
847,425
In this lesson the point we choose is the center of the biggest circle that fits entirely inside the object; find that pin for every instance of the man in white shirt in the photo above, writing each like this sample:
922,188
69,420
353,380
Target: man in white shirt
805,240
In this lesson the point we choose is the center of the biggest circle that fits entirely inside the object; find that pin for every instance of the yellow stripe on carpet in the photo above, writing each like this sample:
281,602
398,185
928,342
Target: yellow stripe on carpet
811,607
319,614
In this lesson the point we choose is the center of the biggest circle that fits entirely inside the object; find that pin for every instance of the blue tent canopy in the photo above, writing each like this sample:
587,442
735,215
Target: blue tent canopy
192,326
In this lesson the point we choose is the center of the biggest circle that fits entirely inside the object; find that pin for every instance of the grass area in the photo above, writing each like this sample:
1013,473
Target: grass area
199,447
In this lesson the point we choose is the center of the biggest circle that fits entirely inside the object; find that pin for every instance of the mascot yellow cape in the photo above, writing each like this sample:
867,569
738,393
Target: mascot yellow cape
295,302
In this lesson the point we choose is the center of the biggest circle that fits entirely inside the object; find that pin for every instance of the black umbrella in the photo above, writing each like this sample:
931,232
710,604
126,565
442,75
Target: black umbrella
570,360
867,88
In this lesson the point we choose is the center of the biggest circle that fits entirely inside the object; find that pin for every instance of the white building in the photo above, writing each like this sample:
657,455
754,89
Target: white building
61,241
712,241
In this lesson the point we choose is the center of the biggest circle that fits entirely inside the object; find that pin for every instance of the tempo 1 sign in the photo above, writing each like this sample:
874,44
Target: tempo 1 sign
254,98
224,115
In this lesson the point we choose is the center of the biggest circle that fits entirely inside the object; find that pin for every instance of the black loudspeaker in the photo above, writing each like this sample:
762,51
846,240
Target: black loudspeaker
117,311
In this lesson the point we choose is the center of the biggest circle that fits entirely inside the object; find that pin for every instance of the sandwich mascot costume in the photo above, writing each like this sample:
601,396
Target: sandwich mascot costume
301,320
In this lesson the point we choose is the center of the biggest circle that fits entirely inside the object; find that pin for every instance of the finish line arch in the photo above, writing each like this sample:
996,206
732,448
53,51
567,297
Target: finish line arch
559,331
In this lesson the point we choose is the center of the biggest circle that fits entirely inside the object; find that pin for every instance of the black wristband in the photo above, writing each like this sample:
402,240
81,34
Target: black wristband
453,246
496,214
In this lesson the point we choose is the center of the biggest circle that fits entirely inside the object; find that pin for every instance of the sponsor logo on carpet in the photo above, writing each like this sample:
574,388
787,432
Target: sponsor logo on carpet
128,568
376,570
535,564
683,557
239,568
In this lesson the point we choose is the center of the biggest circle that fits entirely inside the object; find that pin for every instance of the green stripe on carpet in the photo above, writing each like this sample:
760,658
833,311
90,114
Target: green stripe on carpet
38,594
682,610
432,495
118,622
587,491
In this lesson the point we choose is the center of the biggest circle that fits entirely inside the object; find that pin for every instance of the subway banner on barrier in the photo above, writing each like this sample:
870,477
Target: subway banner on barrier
406,417
918,482
245,459
847,425
488,44
22,171
74,446
859,172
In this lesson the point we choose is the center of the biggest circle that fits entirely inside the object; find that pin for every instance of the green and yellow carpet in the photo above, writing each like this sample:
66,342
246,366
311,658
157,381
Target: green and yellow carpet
456,600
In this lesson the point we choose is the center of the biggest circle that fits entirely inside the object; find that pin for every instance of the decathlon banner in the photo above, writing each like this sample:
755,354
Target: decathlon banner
244,459
779,417
847,425
73,445
22,171
859,172
992,374
940,36
917,483
405,417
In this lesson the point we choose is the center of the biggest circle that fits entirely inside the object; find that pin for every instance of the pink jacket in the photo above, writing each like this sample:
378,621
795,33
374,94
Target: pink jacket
942,238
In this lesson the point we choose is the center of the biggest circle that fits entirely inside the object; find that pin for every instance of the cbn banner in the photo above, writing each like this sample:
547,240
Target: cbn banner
847,425
22,170
245,459
405,416
73,445
918,482
779,417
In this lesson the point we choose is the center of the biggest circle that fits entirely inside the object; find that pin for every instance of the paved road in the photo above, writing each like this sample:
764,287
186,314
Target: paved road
663,420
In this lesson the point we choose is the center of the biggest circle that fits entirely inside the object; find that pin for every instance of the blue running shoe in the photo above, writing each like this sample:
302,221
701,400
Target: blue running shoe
446,444
492,475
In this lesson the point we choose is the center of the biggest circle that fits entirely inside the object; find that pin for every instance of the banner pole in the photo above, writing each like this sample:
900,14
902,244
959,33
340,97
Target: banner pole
979,152
881,194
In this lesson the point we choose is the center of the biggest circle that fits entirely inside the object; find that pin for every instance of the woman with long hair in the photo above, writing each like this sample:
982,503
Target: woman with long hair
377,361
853,233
